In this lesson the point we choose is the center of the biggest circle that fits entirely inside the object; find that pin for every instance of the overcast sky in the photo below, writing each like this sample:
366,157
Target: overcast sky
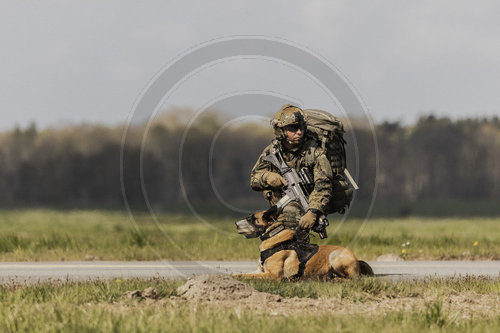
74,61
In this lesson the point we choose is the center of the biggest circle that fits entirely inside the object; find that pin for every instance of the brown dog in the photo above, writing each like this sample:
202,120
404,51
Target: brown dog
329,261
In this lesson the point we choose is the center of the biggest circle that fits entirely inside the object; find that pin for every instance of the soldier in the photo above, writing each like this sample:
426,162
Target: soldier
299,151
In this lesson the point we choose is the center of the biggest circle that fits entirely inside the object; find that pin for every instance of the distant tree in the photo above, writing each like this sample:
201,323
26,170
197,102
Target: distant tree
79,166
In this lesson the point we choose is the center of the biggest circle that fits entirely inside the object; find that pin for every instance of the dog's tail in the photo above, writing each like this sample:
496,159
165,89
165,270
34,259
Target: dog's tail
365,269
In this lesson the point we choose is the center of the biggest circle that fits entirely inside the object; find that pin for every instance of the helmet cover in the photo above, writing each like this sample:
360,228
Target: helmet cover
287,115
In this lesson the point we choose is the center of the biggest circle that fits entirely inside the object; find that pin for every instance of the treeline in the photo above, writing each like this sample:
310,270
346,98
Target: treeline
208,163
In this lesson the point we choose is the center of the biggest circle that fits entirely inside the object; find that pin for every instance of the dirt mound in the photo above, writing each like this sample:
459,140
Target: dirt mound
221,288
224,291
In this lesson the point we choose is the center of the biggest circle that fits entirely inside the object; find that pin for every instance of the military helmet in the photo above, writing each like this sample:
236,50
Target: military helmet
287,115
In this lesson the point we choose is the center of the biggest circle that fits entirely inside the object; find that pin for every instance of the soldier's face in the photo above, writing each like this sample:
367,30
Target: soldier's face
294,133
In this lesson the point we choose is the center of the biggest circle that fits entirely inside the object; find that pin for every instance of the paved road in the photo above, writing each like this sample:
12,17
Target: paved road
29,272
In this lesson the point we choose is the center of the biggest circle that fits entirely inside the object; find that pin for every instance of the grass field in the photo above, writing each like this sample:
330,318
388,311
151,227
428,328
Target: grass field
370,304
101,306
41,235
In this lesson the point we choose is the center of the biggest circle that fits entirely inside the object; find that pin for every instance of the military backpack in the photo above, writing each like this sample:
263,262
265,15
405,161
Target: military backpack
329,131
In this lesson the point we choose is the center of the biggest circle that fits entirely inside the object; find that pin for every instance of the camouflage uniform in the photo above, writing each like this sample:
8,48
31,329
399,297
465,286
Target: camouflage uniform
309,155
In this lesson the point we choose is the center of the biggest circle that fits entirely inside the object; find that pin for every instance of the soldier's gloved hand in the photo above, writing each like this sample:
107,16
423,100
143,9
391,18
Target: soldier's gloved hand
274,179
308,220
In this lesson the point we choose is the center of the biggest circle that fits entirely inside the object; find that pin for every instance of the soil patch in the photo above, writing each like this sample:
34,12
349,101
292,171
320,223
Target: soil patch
225,291
222,288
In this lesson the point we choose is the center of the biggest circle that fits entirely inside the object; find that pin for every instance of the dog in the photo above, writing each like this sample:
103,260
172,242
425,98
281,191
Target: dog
283,258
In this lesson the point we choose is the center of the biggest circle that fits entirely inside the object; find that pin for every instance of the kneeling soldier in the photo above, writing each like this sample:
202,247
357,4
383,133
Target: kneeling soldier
299,152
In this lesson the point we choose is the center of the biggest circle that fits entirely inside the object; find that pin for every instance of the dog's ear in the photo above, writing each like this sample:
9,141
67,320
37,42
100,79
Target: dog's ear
258,219
269,214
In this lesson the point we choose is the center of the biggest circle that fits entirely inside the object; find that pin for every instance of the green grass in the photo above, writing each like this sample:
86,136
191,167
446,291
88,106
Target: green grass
81,293
365,289
100,306
139,318
40,235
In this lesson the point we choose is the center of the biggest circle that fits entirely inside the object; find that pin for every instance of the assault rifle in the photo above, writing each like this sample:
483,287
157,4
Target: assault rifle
296,189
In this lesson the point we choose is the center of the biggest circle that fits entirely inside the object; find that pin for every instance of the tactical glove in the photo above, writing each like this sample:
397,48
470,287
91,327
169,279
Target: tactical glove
308,220
273,179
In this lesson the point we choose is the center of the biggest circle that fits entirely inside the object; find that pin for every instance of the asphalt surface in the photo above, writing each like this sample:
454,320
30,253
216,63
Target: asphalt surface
32,272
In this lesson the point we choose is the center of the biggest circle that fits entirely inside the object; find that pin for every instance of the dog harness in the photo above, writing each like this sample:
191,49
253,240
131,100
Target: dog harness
304,253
